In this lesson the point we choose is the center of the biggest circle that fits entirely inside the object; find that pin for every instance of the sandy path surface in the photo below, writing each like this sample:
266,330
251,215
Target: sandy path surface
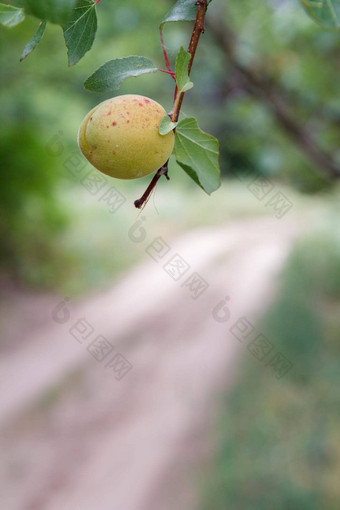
75,437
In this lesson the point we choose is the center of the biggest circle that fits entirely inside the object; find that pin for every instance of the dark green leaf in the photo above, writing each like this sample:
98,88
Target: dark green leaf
166,125
55,11
80,32
110,75
325,12
33,43
197,153
181,70
10,15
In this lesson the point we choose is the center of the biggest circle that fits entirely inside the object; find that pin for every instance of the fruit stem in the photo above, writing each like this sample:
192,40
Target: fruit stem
178,97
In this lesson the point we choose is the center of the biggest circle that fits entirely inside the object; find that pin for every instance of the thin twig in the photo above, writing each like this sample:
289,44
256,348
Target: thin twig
172,74
166,58
178,97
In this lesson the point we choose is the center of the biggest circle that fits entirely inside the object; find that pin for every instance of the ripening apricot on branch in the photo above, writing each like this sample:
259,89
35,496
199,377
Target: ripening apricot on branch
120,137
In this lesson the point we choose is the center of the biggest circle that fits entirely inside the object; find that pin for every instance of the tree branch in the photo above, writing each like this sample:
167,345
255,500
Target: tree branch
195,36
178,97
146,195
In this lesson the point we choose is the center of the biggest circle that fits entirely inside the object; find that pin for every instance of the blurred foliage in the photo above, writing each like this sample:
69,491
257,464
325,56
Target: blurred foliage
278,441
280,44
41,97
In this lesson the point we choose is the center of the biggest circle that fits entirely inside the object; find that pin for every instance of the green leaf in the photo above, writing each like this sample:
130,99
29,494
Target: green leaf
197,153
33,43
110,75
183,10
181,70
55,11
325,12
166,125
80,32
10,16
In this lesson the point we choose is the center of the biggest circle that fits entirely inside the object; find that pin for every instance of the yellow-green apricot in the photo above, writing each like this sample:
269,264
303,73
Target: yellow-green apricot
120,137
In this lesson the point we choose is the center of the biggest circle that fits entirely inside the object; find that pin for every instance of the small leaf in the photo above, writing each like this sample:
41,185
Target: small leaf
110,75
33,43
181,70
166,125
80,32
197,153
325,12
183,10
55,11
10,16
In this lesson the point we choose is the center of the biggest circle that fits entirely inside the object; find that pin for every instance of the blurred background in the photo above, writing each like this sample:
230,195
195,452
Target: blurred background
126,383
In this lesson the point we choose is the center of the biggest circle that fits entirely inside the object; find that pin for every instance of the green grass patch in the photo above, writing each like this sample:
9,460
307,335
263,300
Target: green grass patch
278,440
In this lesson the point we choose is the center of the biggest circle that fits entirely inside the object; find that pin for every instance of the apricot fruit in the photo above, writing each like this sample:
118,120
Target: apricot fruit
120,137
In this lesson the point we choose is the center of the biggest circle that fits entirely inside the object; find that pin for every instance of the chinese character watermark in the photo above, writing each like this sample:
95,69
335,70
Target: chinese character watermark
100,348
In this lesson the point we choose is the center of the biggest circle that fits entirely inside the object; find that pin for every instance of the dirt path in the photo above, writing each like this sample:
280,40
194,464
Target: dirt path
132,444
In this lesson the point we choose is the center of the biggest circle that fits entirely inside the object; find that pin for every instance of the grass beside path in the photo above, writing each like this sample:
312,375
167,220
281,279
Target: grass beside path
278,440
